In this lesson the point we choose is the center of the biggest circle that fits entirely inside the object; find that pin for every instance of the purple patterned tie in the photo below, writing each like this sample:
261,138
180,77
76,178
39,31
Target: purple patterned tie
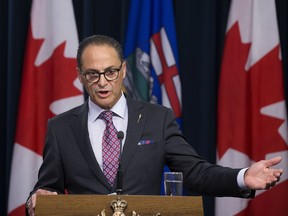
110,148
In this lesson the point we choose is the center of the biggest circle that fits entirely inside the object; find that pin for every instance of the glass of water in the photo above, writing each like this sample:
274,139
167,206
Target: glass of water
173,183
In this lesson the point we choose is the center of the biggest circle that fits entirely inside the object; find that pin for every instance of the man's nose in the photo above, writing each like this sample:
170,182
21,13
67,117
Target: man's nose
102,80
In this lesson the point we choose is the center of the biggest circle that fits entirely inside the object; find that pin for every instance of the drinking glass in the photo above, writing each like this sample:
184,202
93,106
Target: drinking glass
173,183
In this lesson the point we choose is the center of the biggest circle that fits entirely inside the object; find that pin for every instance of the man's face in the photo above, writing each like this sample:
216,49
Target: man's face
100,58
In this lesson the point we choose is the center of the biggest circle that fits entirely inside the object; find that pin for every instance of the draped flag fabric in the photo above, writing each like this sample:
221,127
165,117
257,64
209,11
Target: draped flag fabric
252,121
151,52
49,87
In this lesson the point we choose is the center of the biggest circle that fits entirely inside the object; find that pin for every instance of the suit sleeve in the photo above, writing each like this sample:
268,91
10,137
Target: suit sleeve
51,174
199,176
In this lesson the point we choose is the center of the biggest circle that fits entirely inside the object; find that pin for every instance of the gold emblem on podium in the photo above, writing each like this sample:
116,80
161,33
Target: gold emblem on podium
118,206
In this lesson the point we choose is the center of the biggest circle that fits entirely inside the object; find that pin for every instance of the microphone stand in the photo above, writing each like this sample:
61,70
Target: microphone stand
120,136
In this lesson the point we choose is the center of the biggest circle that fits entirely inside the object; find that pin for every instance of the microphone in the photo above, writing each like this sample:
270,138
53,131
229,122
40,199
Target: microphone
120,136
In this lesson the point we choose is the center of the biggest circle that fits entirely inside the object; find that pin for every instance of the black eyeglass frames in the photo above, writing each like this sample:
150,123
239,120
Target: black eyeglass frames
110,74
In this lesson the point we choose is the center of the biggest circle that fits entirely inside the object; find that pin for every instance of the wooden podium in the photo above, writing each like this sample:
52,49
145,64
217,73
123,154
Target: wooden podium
136,205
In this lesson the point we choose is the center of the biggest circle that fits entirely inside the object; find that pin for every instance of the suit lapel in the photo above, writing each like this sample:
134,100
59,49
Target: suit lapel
136,121
79,126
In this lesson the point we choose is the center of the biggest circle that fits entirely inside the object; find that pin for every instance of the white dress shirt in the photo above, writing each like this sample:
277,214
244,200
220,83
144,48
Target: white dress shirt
96,126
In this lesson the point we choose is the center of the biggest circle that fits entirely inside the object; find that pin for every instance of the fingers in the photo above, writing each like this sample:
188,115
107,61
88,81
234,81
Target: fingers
30,207
41,192
31,203
275,178
276,174
272,161
272,184
44,192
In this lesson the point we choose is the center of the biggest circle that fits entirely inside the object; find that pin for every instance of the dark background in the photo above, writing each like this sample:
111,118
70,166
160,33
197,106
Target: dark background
200,29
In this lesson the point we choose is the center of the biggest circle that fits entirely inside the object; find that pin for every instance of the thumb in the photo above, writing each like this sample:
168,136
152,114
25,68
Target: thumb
272,161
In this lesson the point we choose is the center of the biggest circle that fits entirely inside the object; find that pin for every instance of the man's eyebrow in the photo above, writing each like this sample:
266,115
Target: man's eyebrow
105,69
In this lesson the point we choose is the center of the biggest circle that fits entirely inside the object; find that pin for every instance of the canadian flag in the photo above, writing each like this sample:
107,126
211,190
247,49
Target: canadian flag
49,87
252,121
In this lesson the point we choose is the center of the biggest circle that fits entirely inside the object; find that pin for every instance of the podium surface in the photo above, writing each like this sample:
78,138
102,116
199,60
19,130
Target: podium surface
136,205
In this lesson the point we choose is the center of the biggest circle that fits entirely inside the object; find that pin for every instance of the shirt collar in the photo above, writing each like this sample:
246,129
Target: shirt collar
119,109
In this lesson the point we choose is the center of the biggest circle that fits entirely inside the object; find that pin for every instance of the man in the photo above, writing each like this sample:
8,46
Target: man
75,154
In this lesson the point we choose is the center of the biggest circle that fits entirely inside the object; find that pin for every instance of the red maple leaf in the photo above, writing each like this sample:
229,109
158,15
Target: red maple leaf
42,85
242,94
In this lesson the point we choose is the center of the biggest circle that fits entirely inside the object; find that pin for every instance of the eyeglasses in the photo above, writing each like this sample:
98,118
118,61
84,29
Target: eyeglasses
110,74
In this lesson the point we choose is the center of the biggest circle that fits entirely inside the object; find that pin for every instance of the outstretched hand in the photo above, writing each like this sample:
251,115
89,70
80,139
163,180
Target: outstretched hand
261,176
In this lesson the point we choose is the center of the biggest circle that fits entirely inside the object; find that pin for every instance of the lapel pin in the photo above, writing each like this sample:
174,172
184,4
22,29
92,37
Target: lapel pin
139,117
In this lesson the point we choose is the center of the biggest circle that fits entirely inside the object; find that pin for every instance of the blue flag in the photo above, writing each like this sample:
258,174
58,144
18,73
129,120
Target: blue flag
151,52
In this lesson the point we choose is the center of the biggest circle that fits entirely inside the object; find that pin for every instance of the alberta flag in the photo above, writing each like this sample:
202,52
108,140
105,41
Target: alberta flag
49,87
151,52
252,120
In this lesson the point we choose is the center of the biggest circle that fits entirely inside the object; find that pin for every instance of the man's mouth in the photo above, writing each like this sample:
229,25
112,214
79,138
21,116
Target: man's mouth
103,93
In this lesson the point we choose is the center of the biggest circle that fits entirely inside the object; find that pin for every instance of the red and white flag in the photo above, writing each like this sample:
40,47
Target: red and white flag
49,87
252,120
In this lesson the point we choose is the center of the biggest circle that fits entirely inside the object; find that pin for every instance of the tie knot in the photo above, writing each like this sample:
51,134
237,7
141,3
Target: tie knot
106,115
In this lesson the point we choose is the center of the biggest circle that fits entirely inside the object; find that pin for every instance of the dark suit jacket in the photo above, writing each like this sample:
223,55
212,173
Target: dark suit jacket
69,162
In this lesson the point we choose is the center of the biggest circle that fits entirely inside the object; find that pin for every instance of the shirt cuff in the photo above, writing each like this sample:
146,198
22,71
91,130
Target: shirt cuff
241,183
240,179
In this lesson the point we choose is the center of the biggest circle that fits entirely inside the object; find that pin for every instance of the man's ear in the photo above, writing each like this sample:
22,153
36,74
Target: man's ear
79,75
124,69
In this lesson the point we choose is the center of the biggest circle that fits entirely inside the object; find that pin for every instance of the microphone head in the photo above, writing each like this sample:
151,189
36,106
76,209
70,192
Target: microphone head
120,135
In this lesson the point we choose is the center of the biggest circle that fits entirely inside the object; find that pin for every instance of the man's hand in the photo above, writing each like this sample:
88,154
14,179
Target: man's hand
31,203
261,176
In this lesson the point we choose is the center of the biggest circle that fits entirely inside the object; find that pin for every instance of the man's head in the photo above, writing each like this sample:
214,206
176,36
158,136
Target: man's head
101,69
